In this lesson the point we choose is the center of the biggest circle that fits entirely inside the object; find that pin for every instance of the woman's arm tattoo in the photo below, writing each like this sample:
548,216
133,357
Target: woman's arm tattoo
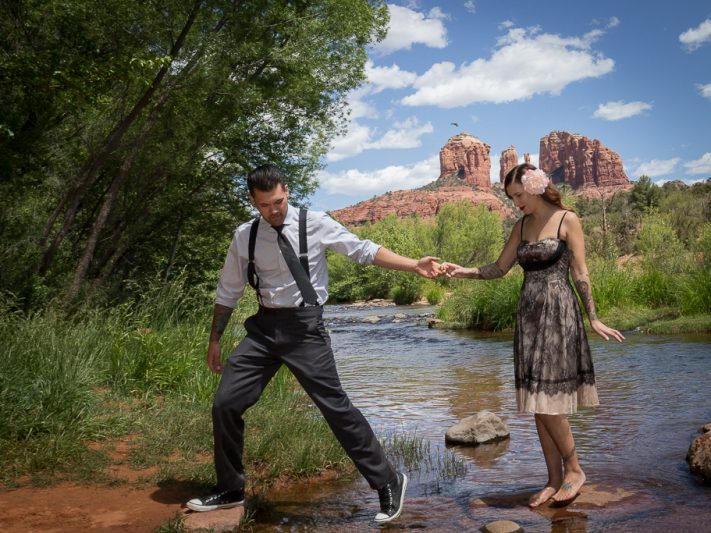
585,293
220,318
490,271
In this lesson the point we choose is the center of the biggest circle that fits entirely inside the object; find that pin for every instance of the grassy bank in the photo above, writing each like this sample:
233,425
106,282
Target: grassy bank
627,298
137,372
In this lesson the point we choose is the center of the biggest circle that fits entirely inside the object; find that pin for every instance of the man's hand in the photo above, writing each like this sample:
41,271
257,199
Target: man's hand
453,270
428,267
214,357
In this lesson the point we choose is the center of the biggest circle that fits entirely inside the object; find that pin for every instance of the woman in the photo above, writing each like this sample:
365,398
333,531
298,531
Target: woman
553,367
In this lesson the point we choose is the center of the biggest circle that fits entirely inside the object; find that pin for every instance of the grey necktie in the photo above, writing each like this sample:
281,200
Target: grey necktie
302,281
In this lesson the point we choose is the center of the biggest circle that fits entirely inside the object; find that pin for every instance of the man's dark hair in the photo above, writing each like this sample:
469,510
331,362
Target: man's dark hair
264,178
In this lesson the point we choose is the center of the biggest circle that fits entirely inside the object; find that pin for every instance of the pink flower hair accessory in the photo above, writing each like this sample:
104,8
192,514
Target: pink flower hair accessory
535,181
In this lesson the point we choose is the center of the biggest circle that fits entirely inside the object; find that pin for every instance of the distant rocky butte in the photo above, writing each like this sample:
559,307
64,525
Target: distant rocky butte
589,167
581,162
464,175
508,160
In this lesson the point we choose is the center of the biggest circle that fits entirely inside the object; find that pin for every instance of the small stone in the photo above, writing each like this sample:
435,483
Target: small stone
219,521
373,319
502,526
400,316
699,456
480,428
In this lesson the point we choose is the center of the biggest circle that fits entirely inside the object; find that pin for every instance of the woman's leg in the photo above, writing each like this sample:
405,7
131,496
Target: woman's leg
559,430
553,464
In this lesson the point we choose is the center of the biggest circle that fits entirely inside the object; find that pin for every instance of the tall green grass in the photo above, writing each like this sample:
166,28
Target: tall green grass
140,369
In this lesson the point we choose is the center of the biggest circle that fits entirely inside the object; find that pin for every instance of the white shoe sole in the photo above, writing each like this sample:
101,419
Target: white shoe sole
197,506
399,508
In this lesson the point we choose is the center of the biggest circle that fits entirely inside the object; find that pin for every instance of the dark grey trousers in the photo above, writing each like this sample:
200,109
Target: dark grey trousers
297,338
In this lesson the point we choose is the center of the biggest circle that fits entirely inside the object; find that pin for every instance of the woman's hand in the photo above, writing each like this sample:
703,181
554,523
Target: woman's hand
606,332
452,270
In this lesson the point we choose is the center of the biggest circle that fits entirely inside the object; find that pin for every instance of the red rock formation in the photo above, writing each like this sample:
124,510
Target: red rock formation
508,160
580,162
464,160
425,203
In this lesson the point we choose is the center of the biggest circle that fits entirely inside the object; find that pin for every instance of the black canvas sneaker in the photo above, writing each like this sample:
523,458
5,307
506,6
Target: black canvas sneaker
217,500
392,497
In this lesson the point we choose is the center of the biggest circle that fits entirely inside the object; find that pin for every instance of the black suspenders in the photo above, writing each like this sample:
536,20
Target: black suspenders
252,277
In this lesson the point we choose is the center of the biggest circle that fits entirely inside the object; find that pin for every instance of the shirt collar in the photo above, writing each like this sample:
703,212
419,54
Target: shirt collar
292,215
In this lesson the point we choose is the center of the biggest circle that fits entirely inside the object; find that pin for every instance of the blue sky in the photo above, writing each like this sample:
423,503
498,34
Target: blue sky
635,75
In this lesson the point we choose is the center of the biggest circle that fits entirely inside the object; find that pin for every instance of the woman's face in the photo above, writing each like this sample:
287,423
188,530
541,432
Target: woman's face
524,201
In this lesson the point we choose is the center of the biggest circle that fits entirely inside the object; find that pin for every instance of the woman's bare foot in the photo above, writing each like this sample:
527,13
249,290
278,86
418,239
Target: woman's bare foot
570,489
542,496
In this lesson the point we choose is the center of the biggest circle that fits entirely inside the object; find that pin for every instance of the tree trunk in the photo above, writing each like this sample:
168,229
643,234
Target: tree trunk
98,159
109,199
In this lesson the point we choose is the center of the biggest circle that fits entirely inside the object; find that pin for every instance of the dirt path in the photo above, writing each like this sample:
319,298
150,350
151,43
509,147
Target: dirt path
72,507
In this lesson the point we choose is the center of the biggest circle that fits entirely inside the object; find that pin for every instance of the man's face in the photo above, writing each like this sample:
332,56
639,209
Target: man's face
272,205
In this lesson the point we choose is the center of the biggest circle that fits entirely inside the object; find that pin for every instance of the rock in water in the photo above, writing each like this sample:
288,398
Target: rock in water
502,526
699,456
480,428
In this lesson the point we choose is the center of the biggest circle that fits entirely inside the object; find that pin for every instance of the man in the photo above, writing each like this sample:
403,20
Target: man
288,329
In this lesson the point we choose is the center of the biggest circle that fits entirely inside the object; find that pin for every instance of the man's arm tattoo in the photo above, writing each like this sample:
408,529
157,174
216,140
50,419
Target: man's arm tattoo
490,271
585,293
220,318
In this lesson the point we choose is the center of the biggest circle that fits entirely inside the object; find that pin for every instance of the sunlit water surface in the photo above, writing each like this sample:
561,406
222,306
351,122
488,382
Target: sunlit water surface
407,378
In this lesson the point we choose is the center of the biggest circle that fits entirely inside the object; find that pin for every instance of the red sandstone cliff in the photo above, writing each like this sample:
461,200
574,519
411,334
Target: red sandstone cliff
508,160
464,175
465,158
580,162
421,202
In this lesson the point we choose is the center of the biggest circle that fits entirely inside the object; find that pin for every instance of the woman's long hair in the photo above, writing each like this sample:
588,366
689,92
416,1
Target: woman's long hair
550,195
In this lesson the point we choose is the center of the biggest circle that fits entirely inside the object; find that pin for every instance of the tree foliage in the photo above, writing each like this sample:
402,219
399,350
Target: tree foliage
127,127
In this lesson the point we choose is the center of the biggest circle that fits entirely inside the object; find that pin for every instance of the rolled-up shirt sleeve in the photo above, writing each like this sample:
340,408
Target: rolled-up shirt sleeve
233,278
338,238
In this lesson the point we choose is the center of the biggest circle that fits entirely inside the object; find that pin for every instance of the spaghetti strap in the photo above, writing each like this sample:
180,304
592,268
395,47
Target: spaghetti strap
561,223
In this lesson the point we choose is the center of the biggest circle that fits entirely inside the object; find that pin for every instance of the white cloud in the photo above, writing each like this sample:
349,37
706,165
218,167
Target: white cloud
359,107
693,38
526,63
662,181
470,6
613,22
495,168
656,167
352,143
405,134
381,78
355,182
506,24
408,27
705,90
358,138
699,166
618,110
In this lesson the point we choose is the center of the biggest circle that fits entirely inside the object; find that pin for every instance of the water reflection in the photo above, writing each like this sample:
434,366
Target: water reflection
406,377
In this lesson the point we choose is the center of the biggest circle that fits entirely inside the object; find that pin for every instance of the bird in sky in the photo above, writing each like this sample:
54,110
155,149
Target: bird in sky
454,124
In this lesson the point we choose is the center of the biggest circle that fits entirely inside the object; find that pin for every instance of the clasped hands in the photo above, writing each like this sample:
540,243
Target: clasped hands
431,267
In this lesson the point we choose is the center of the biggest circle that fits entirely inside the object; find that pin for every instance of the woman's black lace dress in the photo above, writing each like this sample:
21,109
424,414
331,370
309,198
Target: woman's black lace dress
553,366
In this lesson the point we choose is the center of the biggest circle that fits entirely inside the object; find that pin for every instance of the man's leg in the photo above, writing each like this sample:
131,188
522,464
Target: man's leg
310,359
247,372
307,353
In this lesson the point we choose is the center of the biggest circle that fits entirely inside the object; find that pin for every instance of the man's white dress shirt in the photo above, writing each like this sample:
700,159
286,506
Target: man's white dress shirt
276,284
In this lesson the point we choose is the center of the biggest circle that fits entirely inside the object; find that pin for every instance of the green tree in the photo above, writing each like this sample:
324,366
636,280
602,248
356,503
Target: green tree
138,150
644,195
466,234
